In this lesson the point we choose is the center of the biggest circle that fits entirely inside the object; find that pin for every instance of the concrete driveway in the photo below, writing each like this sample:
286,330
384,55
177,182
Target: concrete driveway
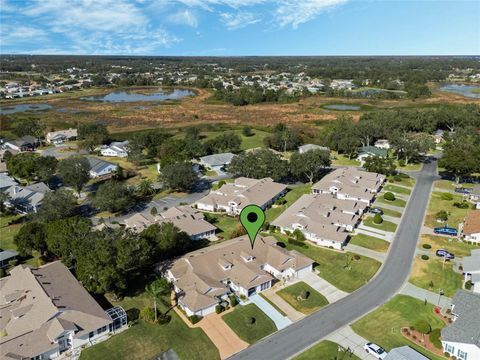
348,339
279,320
324,287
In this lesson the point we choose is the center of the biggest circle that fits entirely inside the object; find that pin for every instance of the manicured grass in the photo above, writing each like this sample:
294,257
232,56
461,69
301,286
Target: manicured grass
273,304
391,213
383,325
404,181
7,232
385,225
144,340
293,295
326,350
295,192
397,189
229,226
450,185
409,167
396,202
239,321
342,160
437,273
333,265
370,242
436,204
451,244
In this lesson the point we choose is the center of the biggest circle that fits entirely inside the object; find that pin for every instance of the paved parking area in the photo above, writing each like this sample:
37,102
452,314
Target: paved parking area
323,287
347,338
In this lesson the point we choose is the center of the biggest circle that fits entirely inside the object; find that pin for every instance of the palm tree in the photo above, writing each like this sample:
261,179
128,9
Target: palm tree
145,188
154,289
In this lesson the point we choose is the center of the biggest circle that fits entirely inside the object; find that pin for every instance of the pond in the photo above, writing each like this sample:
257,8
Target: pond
12,109
342,107
471,91
128,96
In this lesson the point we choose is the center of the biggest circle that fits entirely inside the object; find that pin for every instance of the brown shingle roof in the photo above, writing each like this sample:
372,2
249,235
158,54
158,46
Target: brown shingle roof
472,222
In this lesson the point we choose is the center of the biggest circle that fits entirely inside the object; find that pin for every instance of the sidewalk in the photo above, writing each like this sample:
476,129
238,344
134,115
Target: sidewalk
348,339
387,237
366,252
422,294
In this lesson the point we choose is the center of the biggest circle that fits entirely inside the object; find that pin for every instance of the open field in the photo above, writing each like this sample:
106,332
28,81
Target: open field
325,350
338,268
453,245
240,320
370,242
145,340
303,297
383,325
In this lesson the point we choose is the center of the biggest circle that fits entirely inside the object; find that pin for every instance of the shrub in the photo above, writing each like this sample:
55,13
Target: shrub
398,177
401,163
219,309
133,314
468,285
147,314
233,300
377,219
425,257
251,320
221,183
356,257
446,354
194,319
153,211
296,242
427,246
3,273
461,205
423,327
247,131
389,196
441,215
434,338
304,294
446,196
164,319
243,297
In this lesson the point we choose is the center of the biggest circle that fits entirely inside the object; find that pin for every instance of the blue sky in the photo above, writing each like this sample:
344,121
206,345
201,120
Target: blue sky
240,27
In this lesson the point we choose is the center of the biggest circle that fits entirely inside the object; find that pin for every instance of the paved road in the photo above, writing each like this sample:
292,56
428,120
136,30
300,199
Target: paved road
306,332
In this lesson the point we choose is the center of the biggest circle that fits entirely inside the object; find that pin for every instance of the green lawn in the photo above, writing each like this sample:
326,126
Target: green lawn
434,272
144,340
437,204
459,248
396,202
391,213
342,160
450,185
273,304
397,189
7,232
292,295
295,192
383,325
370,242
239,321
409,167
339,269
405,181
248,142
326,350
385,225
229,226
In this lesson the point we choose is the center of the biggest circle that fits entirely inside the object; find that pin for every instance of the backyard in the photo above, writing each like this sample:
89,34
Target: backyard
342,160
145,340
338,268
326,350
383,325
249,323
294,193
303,297
370,242
434,275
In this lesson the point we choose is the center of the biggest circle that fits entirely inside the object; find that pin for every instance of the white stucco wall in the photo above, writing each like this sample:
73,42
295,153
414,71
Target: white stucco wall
473,352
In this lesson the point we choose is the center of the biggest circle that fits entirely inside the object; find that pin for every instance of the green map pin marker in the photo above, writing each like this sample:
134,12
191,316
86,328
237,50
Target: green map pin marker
252,218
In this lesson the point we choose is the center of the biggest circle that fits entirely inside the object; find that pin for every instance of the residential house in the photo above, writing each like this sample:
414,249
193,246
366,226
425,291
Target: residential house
233,197
100,167
185,218
404,353
382,144
350,184
205,278
6,256
25,143
322,218
368,151
471,226
471,269
461,338
26,199
6,181
61,136
115,149
217,162
307,147
45,312
475,196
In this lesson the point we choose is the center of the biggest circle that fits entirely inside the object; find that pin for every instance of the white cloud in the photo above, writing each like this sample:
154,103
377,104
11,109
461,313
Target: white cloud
238,20
184,17
11,34
293,12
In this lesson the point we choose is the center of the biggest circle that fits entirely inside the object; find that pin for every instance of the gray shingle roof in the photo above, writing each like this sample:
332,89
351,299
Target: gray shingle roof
405,353
217,159
98,165
466,328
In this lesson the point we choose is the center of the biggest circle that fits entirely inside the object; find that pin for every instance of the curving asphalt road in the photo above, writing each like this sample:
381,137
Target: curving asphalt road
297,337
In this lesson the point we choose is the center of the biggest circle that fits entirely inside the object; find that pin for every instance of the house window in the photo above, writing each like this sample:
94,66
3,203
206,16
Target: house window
264,286
91,334
450,349
462,354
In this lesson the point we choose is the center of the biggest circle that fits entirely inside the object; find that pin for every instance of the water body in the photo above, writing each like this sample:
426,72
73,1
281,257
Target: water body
128,96
12,109
461,89
342,107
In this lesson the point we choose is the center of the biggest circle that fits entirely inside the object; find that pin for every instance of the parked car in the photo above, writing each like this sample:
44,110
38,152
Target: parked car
375,350
375,211
445,254
445,231
463,191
